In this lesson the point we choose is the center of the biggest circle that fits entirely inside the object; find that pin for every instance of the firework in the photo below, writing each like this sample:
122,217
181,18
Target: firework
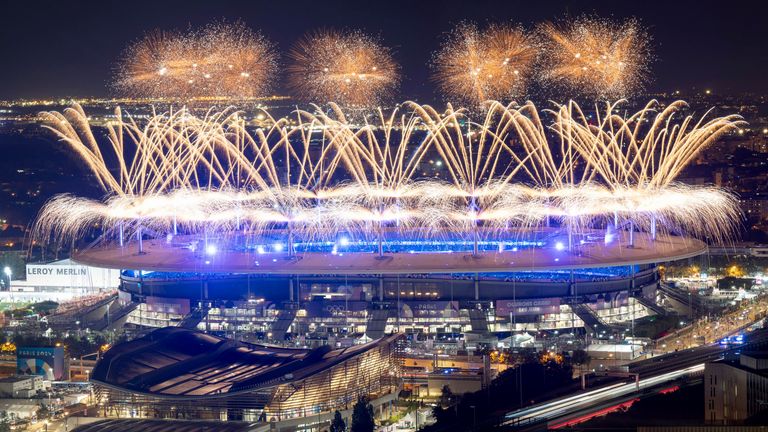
475,66
318,175
221,60
350,68
596,57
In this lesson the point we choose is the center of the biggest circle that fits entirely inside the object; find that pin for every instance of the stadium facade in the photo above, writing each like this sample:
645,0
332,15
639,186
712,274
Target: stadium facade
186,374
433,291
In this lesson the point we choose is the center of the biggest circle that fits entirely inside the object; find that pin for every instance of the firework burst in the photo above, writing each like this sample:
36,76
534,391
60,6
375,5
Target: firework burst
220,60
320,175
348,68
596,57
474,66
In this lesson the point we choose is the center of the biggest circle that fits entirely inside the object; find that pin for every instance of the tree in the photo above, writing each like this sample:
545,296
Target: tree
362,416
446,395
579,357
5,422
338,425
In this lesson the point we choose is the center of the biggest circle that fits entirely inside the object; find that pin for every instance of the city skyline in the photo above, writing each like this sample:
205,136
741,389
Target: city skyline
68,51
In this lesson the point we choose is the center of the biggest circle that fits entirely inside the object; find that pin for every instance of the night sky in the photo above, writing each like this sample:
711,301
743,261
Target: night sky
68,48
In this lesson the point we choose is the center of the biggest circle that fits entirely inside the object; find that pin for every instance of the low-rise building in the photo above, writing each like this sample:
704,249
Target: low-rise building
735,390
25,386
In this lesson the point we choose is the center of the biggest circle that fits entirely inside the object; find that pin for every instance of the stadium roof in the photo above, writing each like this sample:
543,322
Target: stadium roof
132,425
158,255
174,362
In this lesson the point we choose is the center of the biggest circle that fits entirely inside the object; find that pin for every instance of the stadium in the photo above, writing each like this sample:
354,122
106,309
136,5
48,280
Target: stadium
325,233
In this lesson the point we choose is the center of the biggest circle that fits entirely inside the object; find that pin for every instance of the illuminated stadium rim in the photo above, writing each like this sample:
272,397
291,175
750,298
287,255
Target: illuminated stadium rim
160,256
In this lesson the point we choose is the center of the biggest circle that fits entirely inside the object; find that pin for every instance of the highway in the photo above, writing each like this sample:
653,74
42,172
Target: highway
651,373
558,408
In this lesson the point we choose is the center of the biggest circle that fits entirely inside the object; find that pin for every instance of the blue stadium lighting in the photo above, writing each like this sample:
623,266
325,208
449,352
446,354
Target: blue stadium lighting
278,247
260,250
344,241
211,250
559,246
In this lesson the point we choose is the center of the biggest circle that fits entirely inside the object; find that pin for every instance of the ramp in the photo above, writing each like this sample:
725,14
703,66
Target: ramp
590,318
650,304
377,323
283,323
478,321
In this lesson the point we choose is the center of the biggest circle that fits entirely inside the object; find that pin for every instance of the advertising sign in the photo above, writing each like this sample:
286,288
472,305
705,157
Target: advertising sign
45,361
169,305
66,274
505,308
429,309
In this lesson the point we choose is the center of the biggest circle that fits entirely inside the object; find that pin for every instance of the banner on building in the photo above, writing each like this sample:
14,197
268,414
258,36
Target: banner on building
506,308
47,362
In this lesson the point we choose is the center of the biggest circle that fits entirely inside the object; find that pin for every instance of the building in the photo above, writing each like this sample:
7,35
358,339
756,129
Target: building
735,390
25,386
176,373
59,281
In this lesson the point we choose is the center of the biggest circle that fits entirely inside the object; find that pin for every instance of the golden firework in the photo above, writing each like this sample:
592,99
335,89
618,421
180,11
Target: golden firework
322,175
475,66
350,68
221,60
596,57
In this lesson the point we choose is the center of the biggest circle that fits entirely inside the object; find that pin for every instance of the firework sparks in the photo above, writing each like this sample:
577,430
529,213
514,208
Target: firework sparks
349,68
596,57
475,66
321,175
220,60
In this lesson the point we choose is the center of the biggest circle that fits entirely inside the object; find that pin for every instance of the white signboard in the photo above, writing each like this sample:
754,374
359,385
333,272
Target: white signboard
69,275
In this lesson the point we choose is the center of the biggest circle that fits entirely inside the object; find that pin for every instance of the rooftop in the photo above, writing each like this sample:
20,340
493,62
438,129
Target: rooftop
175,362
158,255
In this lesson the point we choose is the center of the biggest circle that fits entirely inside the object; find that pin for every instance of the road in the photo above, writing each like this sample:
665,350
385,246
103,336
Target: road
705,331
651,373
556,409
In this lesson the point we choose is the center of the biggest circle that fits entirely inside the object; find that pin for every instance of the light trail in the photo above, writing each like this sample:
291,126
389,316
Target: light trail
561,407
